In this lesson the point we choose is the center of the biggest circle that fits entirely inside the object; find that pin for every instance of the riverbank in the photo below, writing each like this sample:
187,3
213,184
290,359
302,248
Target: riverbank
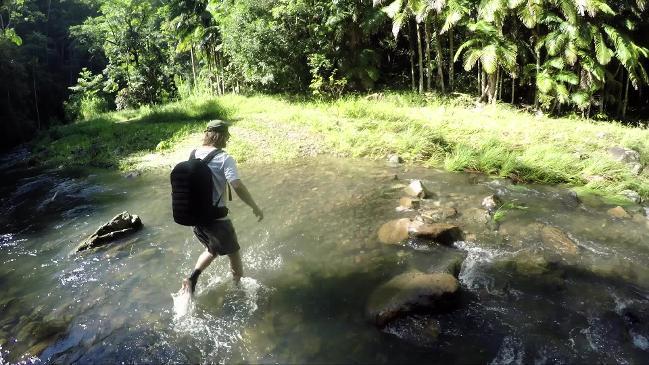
433,131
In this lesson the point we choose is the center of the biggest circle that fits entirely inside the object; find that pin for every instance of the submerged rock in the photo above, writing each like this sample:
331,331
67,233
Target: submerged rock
411,291
475,216
557,239
618,212
121,225
407,202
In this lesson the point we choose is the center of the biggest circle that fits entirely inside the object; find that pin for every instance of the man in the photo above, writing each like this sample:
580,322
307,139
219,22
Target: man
219,237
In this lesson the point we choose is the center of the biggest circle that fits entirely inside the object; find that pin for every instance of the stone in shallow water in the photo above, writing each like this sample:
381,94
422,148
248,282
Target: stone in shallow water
618,212
394,231
409,203
398,230
410,291
121,225
557,239
417,190
442,233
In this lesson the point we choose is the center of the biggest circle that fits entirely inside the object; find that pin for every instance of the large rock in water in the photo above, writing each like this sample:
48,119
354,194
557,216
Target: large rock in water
557,239
417,190
121,225
394,231
410,291
398,230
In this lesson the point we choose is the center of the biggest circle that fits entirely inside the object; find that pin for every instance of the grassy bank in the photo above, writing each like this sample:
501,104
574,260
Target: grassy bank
434,131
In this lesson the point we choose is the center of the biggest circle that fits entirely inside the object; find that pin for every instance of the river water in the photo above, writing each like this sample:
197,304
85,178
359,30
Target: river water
311,265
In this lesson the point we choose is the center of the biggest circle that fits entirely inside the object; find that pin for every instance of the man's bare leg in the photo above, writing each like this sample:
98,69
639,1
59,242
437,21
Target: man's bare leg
236,266
204,260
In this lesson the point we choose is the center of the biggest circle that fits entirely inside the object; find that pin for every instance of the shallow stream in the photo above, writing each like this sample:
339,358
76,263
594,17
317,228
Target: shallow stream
311,264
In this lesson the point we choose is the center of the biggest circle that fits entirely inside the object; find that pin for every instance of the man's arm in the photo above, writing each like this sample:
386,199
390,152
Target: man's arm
244,194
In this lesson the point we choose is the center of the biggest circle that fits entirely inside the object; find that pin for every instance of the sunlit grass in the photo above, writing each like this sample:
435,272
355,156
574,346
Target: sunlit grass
432,130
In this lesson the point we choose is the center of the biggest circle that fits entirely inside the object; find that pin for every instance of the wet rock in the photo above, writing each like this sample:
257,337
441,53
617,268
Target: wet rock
121,225
449,263
640,218
398,230
411,291
631,195
625,155
554,237
409,203
41,331
491,203
529,266
618,212
437,215
417,190
394,160
442,233
517,234
394,231
132,174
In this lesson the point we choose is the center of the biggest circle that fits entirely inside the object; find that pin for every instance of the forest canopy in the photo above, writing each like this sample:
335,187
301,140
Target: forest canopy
62,61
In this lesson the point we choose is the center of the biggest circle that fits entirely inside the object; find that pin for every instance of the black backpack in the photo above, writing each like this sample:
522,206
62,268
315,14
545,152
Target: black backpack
191,191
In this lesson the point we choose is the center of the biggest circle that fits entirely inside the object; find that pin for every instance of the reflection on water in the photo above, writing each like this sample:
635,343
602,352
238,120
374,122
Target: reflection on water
311,265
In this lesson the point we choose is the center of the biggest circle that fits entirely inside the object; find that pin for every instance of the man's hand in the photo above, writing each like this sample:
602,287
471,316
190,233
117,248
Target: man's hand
258,213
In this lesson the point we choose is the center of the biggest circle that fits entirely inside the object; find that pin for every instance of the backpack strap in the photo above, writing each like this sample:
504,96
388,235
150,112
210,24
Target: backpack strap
207,158
211,155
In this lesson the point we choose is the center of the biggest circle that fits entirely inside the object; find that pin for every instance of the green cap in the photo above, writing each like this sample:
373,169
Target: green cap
217,125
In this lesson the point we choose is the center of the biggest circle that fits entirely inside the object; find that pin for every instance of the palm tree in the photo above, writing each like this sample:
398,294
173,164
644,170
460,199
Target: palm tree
493,50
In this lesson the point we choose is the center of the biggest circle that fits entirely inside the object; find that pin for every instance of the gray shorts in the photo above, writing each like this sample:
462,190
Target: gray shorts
218,237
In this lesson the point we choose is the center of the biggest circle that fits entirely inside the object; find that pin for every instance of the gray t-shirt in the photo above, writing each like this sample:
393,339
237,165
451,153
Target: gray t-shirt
224,168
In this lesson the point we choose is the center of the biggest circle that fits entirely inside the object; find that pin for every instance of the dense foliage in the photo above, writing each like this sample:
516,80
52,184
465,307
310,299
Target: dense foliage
561,56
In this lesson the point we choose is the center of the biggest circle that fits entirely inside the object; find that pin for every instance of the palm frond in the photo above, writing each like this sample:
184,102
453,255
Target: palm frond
471,57
602,52
568,77
393,9
544,82
489,59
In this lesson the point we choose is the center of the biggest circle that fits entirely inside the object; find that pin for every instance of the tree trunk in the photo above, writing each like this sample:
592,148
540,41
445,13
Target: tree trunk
536,87
626,98
451,71
513,89
440,59
412,57
191,51
499,84
420,59
489,92
38,114
480,81
429,66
